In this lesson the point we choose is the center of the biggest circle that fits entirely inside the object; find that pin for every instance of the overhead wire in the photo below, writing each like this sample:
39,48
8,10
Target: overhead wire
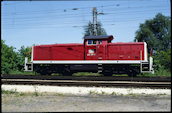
78,15
76,26
29,20
104,7
32,19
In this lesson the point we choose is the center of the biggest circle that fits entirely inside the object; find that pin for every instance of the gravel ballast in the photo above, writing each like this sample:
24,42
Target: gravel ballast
86,90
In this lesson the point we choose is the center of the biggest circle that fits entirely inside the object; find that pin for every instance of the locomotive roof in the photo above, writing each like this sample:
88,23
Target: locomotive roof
109,37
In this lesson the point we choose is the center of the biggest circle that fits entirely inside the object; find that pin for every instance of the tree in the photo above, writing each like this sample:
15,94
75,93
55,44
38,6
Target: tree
164,59
88,29
156,33
22,53
11,60
8,58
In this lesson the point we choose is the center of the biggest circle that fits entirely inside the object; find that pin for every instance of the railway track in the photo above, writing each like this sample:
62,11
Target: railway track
150,82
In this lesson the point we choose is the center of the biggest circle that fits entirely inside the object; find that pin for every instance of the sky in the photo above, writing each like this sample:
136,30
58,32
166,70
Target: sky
53,22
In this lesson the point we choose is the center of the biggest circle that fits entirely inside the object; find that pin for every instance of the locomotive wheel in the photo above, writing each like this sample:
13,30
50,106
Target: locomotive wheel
67,73
42,73
132,73
107,74
45,72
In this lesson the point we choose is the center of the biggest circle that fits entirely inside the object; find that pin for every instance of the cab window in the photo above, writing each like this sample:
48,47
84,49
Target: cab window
100,41
92,42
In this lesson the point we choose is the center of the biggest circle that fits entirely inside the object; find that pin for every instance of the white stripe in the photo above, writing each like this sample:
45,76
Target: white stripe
89,62
145,52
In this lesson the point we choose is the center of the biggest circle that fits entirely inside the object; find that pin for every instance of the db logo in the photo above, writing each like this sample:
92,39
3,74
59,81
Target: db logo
91,52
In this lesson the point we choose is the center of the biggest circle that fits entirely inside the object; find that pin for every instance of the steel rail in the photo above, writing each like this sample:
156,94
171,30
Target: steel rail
87,83
89,78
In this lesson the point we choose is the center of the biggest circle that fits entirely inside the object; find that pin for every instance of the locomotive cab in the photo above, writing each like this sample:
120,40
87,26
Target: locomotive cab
96,47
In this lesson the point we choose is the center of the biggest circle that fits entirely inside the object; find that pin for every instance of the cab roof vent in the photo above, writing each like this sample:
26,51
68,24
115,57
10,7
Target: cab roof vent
108,37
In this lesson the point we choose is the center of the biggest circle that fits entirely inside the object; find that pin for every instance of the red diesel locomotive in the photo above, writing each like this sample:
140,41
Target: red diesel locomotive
96,54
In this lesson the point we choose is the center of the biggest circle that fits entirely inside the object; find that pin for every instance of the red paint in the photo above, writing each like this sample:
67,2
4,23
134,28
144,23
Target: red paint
59,52
104,51
126,51
151,53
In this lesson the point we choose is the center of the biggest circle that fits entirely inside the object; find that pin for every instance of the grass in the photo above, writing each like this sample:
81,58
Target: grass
86,74
160,73
21,73
12,92
8,91
15,93
163,73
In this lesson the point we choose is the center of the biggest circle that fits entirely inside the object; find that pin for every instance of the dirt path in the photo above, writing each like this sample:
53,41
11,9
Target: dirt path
56,102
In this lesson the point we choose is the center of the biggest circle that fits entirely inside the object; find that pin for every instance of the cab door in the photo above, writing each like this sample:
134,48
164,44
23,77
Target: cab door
100,50
91,50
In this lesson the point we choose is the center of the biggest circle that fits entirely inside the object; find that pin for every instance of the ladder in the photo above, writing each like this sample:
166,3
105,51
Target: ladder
100,68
